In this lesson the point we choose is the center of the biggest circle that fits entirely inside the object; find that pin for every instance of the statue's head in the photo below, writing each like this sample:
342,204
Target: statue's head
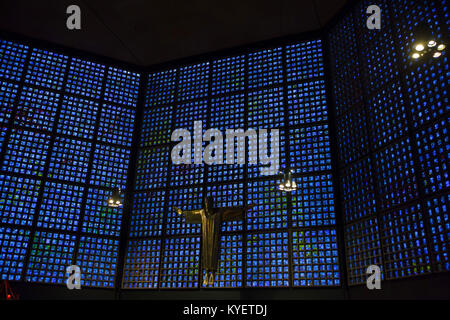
208,204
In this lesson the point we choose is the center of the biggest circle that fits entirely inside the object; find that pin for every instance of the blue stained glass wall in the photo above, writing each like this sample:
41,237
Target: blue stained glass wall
285,240
66,128
392,118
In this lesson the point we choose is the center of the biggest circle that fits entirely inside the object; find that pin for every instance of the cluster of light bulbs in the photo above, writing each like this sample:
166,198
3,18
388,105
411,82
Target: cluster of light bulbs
432,47
288,184
116,198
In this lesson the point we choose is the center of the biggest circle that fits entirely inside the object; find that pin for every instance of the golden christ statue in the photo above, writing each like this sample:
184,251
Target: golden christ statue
211,218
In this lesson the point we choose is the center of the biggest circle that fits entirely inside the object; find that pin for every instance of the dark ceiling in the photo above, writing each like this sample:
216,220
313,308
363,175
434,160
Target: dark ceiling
147,32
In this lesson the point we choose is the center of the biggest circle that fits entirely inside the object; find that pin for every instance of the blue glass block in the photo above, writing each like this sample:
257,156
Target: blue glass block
46,69
50,255
265,109
12,59
307,103
110,166
304,60
404,242
37,109
315,258
141,268
148,214
396,179
387,115
193,82
99,218
185,199
18,199
180,263
69,160
228,195
26,152
439,223
156,126
255,167
122,87
152,168
270,209
8,92
265,68
97,259
310,149
61,206
267,256
85,78
352,136
230,266
13,248
433,148
77,117
161,87
228,75
116,125
2,135
357,190
345,66
313,201
363,248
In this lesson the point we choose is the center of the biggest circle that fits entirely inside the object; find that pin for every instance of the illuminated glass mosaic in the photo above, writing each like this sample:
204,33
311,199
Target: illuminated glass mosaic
26,152
2,135
116,125
396,180
180,263
50,255
156,126
122,87
265,68
185,199
8,92
12,59
152,168
85,78
110,166
77,117
69,160
99,218
313,201
315,258
97,258
230,267
353,137
46,69
13,247
270,209
37,109
267,256
363,248
437,209
358,193
193,82
228,195
387,115
310,148
161,87
61,206
228,75
18,199
148,214
404,242
307,103
141,269
265,109
434,148
304,60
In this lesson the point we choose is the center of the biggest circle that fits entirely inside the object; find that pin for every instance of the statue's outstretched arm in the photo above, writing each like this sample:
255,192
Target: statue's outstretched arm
235,213
191,216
